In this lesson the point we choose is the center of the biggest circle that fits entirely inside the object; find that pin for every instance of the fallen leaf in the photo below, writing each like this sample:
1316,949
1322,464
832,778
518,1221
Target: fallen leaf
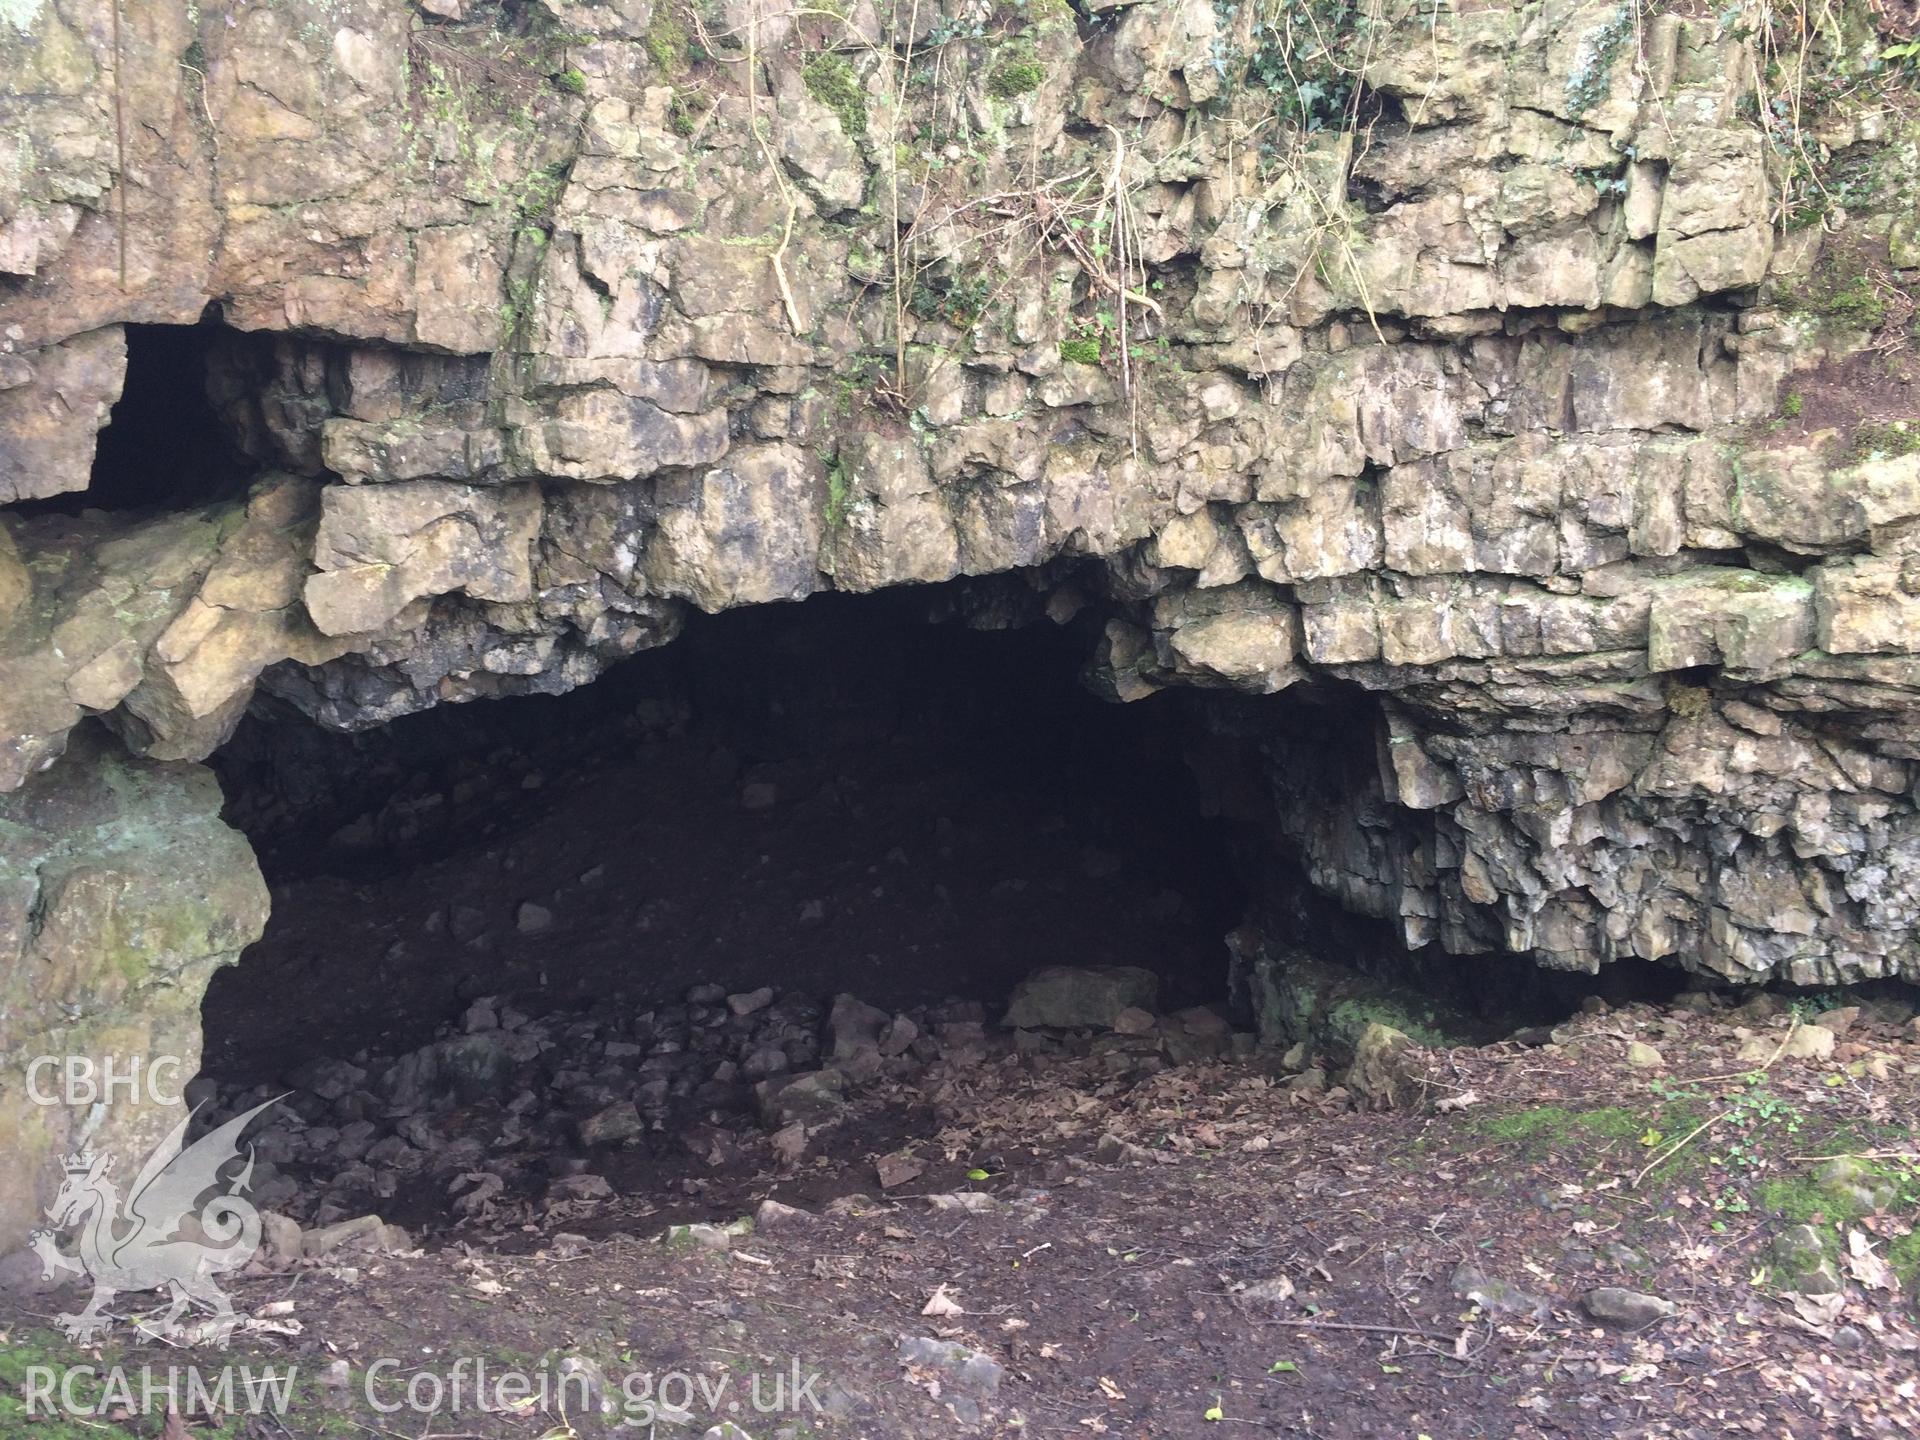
1818,1312
1867,1267
941,1303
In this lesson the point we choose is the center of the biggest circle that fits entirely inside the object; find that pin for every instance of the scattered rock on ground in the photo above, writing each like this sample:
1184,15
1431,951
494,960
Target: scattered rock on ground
1498,1297
1811,1042
1804,1262
1625,1307
812,1099
963,1377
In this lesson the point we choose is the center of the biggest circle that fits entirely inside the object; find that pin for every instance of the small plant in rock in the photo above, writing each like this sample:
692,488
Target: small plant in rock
1308,53
956,299
1887,440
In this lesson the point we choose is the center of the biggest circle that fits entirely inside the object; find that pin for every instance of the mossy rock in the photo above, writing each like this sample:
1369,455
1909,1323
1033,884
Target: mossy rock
1020,73
667,43
830,79
1803,1262
1298,998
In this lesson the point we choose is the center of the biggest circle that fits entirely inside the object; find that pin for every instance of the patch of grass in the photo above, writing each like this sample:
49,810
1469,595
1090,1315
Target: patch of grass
1801,1199
1903,1255
830,79
1791,407
1560,1124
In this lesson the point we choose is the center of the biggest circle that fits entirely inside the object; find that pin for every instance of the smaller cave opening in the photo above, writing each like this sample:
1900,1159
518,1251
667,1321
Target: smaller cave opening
165,445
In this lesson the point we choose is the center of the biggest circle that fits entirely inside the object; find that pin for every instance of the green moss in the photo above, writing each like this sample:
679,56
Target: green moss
666,42
839,493
683,116
1791,407
1085,350
831,81
1688,701
1018,73
1884,441
1801,1199
1424,1026
1841,290
571,80
1904,1256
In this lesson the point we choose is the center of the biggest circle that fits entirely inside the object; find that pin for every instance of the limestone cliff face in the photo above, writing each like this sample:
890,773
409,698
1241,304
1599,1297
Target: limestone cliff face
1438,363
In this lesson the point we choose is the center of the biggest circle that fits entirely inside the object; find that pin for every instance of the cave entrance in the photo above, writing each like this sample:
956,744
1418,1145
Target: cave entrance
165,445
825,799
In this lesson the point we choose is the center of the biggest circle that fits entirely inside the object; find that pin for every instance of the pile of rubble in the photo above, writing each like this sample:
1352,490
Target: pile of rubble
504,1108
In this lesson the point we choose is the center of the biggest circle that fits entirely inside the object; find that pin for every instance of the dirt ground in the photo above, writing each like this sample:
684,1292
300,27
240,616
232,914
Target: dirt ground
1210,1249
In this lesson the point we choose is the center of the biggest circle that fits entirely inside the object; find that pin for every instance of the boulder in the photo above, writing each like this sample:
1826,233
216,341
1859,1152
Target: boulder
1074,997
810,1099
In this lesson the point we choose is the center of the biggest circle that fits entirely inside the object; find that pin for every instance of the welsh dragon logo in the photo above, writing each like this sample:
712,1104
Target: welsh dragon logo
180,1227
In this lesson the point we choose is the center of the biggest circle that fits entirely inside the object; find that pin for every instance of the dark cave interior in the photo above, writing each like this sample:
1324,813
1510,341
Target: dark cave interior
835,794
